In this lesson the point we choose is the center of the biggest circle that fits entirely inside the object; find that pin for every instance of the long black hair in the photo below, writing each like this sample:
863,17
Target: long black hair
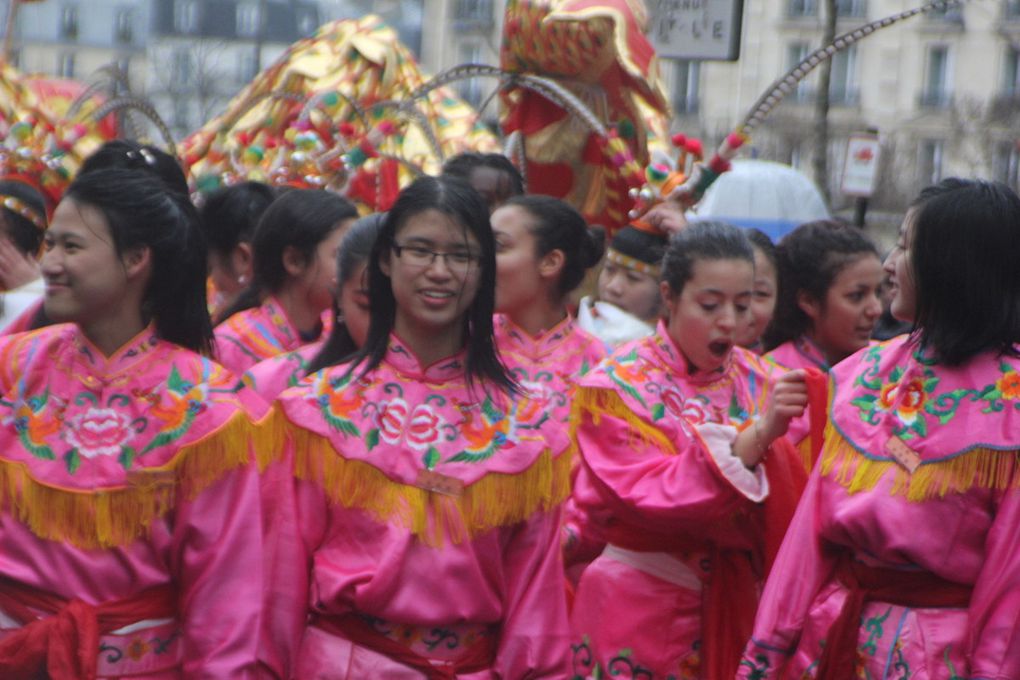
964,249
299,219
810,258
24,233
132,155
142,213
702,240
355,250
557,226
230,214
455,198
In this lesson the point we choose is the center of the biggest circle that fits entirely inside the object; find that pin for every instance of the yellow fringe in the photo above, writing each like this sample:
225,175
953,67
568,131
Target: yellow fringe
493,501
979,468
115,517
597,401
804,448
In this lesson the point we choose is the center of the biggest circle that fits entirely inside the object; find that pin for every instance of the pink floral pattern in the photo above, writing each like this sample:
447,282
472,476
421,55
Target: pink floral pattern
99,432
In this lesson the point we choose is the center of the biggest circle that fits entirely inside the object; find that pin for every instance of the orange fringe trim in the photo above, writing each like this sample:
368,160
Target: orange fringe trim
493,501
979,468
116,517
600,401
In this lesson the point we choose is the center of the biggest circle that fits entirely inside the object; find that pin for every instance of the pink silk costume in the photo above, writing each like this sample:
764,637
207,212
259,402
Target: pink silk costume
661,483
550,366
256,334
272,376
131,472
426,509
955,517
791,355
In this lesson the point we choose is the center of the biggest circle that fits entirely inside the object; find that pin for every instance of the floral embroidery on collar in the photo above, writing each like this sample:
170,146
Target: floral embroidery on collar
123,358
535,346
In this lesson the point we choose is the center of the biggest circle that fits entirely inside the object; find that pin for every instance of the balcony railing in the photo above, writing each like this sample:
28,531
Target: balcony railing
473,14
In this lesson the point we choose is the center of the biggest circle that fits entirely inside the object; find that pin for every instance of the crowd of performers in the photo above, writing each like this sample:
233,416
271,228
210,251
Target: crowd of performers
400,453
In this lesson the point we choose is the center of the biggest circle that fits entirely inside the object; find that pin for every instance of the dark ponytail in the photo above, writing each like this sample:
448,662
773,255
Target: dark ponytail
142,213
558,226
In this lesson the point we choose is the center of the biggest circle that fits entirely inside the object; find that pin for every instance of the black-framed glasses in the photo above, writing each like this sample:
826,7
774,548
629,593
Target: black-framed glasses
458,262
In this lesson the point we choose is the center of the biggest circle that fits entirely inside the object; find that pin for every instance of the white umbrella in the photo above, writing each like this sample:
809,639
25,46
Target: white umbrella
769,196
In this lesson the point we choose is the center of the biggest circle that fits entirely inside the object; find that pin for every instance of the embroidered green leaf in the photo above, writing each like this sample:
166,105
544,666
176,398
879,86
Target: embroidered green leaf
736,411
431,458
1004,367
372,438
348,427
72,460
126,457
920,426
658,411
491,412
175,382
865,401
896,374
584,367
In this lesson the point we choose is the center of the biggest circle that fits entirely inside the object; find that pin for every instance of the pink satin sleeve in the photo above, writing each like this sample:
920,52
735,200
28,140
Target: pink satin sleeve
216,552
800,570
230,354
534,642
995,604
645,486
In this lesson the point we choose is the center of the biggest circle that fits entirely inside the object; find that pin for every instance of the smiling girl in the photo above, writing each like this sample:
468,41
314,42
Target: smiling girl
425,541
672,430
130,542
902,560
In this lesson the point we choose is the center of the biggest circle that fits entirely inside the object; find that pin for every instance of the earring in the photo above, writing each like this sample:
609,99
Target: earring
242,279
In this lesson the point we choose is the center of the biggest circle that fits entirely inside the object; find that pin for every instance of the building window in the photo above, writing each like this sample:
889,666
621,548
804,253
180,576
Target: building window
65,65
1011,73
185,16
1006,164
952,14
470,89
843,89
796,52
686,86
247,67
936,78
474,11
69,22
929,162
125,25
802,8
851,8
307,21
181,67
1012,10
249,20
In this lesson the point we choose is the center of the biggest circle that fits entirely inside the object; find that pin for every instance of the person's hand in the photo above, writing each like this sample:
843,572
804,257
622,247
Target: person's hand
789,399
16,268
667,216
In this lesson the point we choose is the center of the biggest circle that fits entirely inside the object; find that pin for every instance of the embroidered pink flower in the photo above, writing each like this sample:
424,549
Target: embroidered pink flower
392,416
423,428
99,432
697,412
911,402
674,401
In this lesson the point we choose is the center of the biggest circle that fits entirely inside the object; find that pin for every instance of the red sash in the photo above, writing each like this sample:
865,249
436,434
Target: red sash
864,583
476,658
65,644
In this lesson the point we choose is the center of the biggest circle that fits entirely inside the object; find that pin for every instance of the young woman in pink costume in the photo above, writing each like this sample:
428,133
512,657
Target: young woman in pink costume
766,288
276,374
830,282
543,250
131,542
902,560
295,246
426,526
673,431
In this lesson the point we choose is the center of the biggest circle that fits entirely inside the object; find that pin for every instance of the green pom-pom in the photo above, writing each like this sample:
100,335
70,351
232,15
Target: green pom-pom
331,99
626,129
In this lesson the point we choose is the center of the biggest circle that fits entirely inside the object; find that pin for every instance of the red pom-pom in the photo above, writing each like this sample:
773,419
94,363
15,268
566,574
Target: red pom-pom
734,141
387,127
679,140
346,129
243,138
693,147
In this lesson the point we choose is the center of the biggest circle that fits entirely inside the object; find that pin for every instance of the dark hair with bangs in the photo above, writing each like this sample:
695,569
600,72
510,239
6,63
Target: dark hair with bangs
702,240
810,258
964,254
453,197
142,212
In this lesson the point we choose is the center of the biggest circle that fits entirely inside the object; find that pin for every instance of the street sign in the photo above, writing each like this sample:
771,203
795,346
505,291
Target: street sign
696,29
860,167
